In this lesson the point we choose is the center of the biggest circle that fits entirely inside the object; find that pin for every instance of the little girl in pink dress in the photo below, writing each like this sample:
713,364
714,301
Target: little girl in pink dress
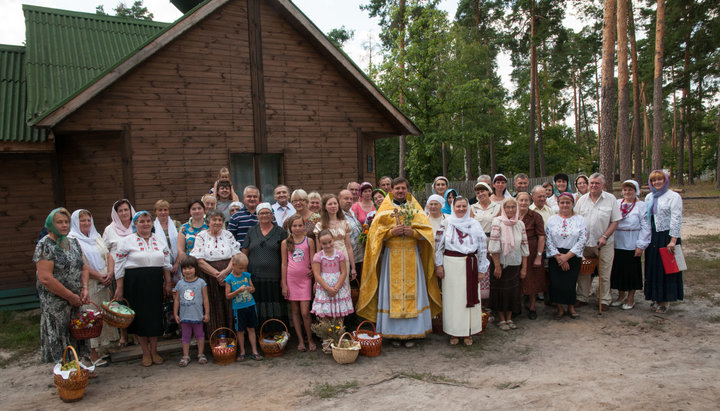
332,294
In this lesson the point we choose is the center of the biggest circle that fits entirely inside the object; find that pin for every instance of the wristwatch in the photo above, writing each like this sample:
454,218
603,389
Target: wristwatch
539,254
604,236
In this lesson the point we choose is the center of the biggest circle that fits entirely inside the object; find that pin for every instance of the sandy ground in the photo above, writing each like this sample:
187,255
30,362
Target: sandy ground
621,360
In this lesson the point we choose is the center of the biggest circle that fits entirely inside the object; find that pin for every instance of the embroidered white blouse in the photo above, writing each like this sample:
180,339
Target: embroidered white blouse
521,243
211,248
486,216
669,212
134,252
570,233
633,230
466,241
436,223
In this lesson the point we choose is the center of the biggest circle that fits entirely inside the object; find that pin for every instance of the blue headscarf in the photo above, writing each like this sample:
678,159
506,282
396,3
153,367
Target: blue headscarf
447,208
652,206
135,218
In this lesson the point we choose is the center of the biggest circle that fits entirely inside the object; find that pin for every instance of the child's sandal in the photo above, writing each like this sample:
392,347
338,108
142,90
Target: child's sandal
184,361
202,359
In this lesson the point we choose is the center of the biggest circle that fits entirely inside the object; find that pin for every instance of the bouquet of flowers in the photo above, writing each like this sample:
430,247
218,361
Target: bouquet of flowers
406,214
86,319
362,238
329,330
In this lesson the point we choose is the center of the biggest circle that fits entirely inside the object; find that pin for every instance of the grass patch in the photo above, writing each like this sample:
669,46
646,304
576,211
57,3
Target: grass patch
430,377
510,385
702,277
20,332
655,324
326,390
629,323
714,319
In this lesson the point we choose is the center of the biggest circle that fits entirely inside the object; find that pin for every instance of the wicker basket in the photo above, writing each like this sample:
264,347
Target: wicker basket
484,322
369,347
345,355
114,319
273,349
89,332
221,355
73,388
588,265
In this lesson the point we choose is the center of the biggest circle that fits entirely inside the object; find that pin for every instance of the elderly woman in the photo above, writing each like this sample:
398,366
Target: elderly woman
121,214
566,234
213,249
365,204
167,232
190,230
508,247
62,283
101,268
560,186
500,191
582,186
535,281
460,260
664,208
299,199
450,196
142,268
440,185
262,246
315,202
433,209
235,206
632,237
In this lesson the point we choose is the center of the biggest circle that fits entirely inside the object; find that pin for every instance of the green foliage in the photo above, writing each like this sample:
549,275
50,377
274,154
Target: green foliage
136,11
340,36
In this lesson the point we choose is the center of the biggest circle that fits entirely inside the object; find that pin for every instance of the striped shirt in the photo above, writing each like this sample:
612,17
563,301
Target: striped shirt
240,223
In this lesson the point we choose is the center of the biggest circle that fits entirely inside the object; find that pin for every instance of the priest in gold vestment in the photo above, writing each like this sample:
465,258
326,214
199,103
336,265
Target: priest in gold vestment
399,289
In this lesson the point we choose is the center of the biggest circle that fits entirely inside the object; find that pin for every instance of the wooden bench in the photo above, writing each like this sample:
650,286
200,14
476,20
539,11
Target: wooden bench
19,299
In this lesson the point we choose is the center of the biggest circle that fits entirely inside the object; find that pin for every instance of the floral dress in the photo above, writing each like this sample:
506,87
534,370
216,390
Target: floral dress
56,311
339,305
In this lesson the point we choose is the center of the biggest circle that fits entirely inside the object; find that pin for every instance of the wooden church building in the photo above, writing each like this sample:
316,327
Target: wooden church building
97,108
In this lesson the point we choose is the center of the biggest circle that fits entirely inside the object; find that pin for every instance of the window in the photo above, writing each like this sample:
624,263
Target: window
261,170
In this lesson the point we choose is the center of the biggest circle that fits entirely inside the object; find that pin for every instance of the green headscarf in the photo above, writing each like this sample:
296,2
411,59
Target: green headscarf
50,226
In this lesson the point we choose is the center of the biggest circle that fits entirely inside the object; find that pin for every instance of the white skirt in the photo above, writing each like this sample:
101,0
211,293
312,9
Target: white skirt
458,320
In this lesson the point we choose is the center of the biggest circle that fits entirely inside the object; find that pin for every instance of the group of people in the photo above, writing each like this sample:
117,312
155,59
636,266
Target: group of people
237,262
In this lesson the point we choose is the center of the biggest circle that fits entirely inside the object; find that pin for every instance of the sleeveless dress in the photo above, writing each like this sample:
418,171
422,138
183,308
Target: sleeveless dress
339,305
298,267
338,234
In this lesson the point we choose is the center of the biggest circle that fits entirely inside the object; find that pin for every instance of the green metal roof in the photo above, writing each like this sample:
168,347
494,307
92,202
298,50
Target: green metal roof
67,50
13,98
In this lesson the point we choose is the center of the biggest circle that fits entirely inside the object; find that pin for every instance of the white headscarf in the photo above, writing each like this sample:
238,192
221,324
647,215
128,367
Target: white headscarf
262,206
636,185
88,243
117,224
463,223
172,233
434,197
462,227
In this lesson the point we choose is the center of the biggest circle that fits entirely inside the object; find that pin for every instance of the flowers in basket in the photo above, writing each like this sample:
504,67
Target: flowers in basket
329,330
86,319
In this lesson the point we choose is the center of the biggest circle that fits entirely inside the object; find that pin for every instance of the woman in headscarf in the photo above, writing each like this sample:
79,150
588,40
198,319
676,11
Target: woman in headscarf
560,186
121,214
378,196
632,237
500,191
665,214
166,229
101,268
566,234
190,230
440,185
484,211
433,209
460,260
582,186
450,196
142,270
62,283
508,247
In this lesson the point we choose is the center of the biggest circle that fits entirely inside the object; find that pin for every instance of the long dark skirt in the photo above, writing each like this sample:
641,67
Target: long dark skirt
220,307
563,284
505,291
270,302
626,271
143,288
659,286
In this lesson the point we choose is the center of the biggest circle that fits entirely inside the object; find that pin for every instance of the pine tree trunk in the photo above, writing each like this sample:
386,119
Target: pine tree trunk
540,149
597,98
607,138
533,86
576,110
684,112
444,158
401,100
646,129
657,160
717,154
623,94
637,141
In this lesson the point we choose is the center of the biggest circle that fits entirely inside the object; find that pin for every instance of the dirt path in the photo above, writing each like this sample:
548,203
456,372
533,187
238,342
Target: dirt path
621,360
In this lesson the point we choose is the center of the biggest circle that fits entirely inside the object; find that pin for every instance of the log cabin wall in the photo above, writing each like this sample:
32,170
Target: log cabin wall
189,106
26,192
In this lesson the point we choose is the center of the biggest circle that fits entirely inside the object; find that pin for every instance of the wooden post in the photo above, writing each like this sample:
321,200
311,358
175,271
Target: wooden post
257,81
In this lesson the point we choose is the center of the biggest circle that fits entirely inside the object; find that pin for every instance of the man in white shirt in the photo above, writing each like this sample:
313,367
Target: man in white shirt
602,215
282,208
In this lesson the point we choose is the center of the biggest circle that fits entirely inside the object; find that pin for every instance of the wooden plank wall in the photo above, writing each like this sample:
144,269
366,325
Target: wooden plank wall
26,198
92,173
189,106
